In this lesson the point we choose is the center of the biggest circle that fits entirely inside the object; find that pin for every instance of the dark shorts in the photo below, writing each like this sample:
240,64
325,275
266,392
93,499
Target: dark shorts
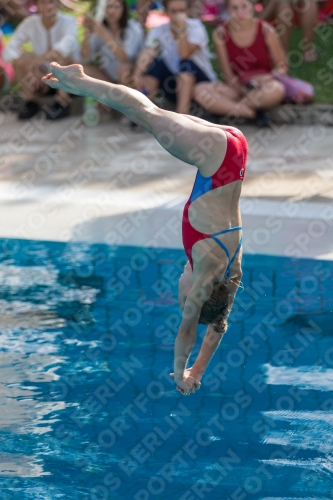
168,81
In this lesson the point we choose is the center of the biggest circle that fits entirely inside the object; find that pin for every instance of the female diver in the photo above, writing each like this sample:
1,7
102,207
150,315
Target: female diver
211,220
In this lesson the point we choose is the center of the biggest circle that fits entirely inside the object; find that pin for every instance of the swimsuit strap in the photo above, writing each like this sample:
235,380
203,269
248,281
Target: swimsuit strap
237,228
224,248
234,257
222,245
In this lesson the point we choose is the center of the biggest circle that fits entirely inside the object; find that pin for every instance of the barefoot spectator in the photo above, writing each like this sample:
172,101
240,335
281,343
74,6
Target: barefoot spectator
53,36
6,69
282,14
175,57
308,10
115,43
248,52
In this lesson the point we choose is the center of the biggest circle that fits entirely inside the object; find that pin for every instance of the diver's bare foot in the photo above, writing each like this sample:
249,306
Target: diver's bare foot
67,78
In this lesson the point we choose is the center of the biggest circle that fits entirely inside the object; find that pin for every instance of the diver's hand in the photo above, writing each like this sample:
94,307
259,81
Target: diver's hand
67,78
186,384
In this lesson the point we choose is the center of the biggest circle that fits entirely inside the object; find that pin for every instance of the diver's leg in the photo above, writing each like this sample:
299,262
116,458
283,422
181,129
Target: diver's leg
191,142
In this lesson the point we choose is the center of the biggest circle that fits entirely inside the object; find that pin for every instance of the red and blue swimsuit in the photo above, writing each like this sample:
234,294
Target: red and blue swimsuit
232,169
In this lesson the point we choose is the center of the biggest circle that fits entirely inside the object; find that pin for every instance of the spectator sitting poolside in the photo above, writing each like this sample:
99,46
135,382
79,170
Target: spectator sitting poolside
249,52
53,36
116,43
175,57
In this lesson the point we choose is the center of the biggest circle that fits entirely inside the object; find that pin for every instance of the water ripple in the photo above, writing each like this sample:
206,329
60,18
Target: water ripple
305,377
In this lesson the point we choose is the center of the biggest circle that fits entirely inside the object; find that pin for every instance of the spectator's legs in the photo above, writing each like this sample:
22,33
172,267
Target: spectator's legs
29,75
185,88
309,18
158,76
284,22
149,84
220,99
26,77
125,74
269,94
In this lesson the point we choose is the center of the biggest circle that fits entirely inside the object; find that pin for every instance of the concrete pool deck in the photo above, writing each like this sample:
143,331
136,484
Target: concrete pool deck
64,181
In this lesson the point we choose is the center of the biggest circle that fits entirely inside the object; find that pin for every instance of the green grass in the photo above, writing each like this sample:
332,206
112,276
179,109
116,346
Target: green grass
318,73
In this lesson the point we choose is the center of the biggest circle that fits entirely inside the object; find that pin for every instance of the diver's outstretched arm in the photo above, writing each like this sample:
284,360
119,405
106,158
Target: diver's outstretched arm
194,143
209,345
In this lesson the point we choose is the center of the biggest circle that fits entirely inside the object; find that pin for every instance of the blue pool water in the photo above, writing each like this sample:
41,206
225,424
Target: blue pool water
88,411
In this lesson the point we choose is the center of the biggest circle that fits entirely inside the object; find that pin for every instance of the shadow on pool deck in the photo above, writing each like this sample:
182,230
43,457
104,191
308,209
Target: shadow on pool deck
60,180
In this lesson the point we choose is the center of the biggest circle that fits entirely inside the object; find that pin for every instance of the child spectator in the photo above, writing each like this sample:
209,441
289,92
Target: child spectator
175,57
116,43
53,36
248,51
6,69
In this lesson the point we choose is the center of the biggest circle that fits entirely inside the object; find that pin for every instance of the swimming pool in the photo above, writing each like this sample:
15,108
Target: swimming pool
88,410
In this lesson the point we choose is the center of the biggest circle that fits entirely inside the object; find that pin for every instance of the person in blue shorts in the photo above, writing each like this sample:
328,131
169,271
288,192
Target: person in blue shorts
175,58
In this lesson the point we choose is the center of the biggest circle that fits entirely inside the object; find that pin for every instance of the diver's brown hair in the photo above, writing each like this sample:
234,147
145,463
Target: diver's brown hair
216,309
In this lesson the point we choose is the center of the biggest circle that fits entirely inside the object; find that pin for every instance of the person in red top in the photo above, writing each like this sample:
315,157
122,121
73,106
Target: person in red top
248,52
212,227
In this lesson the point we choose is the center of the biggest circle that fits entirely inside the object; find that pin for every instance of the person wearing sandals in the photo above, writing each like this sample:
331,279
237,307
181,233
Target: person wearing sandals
114,43
249,52
53,37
